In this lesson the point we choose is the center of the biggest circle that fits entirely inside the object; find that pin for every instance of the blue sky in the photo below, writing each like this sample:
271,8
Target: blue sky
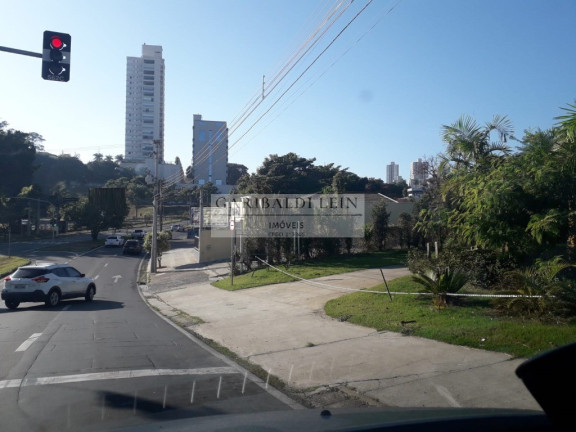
380,93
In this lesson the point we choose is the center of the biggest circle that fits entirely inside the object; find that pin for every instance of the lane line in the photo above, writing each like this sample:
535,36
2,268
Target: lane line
26,344
443,391
99,376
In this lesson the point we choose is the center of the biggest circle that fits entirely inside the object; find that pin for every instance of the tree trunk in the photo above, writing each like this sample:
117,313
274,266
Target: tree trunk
571,240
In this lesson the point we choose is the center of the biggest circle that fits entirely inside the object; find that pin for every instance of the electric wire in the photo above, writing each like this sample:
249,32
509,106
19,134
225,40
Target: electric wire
311,82
327,23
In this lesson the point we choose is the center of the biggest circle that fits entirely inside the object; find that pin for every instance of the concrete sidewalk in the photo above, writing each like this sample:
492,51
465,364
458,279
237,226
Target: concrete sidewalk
283,329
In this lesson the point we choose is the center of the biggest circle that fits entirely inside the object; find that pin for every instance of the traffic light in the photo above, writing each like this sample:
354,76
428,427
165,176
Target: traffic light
56,56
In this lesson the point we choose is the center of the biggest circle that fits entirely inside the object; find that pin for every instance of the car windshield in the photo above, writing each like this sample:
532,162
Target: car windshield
262,206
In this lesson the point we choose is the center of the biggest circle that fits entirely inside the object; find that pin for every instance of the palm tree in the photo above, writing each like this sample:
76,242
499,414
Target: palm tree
469,144
566,151
540,289
441,281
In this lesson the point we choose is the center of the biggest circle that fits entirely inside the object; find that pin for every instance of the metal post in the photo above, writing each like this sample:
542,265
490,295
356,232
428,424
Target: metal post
154,247
231,221
200,224
386,283
29,226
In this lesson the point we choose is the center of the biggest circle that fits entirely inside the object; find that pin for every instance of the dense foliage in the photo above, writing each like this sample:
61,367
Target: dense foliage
503,216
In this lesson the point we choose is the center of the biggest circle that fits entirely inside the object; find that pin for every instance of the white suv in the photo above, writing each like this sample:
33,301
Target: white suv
114,240
48,283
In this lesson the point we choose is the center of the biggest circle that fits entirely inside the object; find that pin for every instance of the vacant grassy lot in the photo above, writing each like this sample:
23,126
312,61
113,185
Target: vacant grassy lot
470,322
315,268
8,265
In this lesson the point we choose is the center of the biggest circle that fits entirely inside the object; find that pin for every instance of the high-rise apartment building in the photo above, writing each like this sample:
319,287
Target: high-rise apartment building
209,151
145,105
392,173
418,173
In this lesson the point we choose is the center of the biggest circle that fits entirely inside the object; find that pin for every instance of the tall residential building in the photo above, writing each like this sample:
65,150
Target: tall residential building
418,173
209,151
392,173
145,105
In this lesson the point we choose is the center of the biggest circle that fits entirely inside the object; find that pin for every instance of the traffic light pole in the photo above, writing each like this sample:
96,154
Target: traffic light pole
21,52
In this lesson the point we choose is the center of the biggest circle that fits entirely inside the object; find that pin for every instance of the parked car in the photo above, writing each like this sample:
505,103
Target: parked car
176,227
48,283
138,234
114,240
132,247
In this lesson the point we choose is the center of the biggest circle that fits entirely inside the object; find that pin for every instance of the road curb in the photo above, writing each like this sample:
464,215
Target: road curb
200,342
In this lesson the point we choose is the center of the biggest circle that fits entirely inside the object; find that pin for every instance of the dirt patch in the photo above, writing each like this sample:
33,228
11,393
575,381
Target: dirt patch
334,397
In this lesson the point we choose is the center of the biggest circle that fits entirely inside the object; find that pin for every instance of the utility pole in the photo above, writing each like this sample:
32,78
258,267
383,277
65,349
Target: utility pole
155,203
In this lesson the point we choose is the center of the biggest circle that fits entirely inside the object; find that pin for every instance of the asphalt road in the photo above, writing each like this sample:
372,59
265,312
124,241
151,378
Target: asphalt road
110,363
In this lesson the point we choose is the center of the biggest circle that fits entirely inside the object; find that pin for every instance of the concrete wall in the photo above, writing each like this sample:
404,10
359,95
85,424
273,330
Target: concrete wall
213,248
395,209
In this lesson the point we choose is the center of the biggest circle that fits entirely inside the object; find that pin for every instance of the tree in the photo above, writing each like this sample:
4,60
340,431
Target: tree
380,219
288,174
566,153
470,145
105,207
406,227
234,172
162,244
18,150
60,173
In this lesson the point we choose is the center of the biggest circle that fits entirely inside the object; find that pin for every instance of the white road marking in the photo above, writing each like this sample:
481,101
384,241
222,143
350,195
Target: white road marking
99,376
444,392
116,278
26,344
96,277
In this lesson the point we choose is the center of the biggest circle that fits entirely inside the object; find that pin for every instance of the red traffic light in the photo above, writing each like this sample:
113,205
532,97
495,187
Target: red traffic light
56,56
56,42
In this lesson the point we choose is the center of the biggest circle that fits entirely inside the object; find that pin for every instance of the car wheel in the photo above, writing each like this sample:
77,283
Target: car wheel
12,304
53,298
90,291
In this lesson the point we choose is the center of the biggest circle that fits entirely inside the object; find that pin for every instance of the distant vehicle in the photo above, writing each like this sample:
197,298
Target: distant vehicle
177,227
132,247
48,283
138,234
114,240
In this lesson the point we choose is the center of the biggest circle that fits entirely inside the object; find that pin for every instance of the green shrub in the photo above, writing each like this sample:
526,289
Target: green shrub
441,281
485,268
542,293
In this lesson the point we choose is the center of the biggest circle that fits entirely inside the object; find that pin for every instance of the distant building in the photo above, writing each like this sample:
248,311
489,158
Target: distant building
145,105
209,151
418,173
418,176
392,173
